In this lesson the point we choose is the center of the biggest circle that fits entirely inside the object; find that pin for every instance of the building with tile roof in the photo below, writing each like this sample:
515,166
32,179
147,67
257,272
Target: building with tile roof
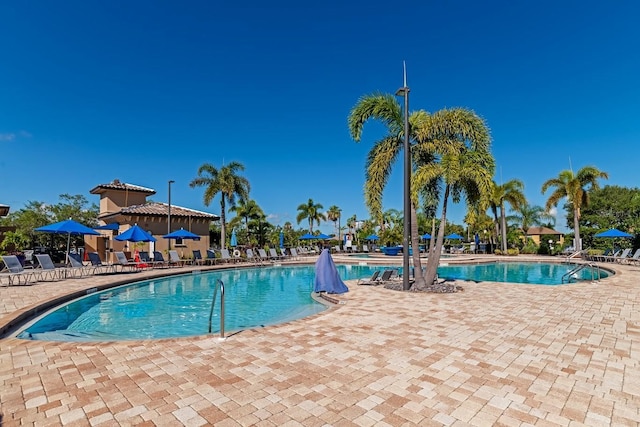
123,205
536,233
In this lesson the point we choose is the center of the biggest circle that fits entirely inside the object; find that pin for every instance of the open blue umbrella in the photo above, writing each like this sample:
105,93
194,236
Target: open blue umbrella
281,239
372,237
68,227
322,236
307,236
426,236
114,226
181,234
454,236
613,233
234,239
135,234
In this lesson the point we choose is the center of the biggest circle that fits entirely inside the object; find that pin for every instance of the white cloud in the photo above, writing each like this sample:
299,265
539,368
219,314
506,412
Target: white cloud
7,137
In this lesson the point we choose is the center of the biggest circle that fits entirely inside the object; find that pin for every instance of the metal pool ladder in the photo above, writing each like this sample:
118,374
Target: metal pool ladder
579,267
219,284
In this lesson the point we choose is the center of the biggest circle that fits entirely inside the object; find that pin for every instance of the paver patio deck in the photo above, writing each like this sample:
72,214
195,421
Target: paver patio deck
495,354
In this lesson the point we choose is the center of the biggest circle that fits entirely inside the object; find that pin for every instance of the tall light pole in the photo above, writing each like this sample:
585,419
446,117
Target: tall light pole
169,214
404,91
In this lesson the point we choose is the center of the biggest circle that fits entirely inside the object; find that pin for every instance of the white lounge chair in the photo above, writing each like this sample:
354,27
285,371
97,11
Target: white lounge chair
15,270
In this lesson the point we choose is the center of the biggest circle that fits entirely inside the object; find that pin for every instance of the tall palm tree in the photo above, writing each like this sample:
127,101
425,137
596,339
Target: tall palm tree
225,181
311,212
333,215
576,188
511,192
383,155
248,210
529,215
465,168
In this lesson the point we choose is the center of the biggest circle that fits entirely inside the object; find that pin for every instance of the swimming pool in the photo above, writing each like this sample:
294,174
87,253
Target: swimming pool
518,272
179,306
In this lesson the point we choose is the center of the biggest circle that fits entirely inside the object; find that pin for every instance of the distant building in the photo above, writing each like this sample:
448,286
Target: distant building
536,233
126,205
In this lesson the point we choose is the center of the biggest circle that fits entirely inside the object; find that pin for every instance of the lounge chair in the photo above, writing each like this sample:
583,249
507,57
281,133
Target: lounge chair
262,254
175,259
77,269
15,270
145,260
624,256
370,281
158,259
252,258
123,262
197,257
211,257
633,259
617,256
98,266
365,248
294,253
224,256
274,255
46,268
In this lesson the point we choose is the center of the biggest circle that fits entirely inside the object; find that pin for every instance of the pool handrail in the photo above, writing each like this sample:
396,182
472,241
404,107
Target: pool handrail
219,284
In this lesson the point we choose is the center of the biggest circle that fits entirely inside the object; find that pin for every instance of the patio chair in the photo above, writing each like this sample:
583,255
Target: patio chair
158,259
197,257
252,258
15,270
77,269
294,253
370,281
365,248
274,255
46,267
224,256
624,256
633,259
123,262
617,256
211,257
175,259
284,253
98,266
262,255
145,260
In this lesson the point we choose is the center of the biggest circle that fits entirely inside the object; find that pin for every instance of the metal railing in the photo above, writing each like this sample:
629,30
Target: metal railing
219,284
570,274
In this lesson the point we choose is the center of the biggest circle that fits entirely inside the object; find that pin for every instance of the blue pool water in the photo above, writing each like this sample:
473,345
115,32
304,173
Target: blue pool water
179,306
517,272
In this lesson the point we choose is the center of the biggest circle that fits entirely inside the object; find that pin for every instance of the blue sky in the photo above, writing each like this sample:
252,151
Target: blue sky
147,91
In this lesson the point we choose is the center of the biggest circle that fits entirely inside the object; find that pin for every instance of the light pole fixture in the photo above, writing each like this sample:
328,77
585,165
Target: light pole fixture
169,214
404,91
4,210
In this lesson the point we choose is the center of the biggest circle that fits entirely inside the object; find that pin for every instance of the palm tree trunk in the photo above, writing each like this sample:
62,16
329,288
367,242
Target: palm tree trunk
576,229
503,226
434,258
419,282
223,223
433,235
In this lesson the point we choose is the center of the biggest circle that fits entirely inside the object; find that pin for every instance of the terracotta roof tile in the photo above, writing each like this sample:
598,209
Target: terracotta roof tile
117,185
162,209
535,231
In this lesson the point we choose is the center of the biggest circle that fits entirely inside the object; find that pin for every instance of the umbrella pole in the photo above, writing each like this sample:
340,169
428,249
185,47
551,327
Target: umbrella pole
66,255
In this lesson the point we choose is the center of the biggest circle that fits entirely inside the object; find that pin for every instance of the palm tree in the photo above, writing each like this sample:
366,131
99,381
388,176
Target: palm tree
311,212
510,192
461,140
576,188
333,214
382,156
247,210
529,215
225,181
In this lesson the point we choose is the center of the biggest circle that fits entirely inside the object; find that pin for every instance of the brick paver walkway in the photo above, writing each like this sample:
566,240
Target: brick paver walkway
495,354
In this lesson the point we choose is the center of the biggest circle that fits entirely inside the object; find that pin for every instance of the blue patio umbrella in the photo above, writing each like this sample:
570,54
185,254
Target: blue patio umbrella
234,239
454,236
426,236
307,236
68,227
327,278
281,239
135,234
613,233
476,239
322,236
372,237
114,226
181,234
